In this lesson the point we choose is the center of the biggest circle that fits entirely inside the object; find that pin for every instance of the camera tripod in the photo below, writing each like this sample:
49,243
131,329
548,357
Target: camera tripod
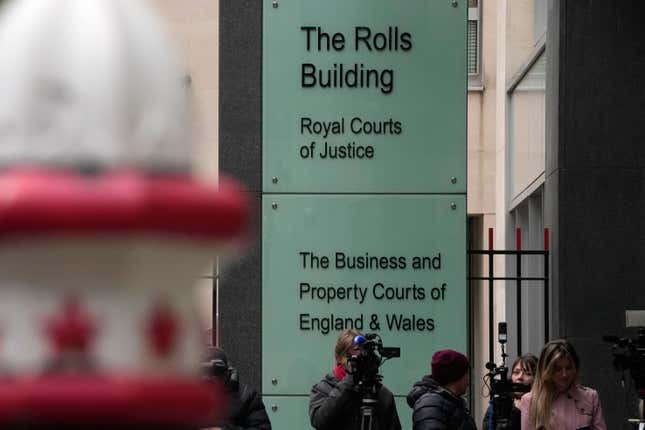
368,409
502,389
367,389
639,423
500,418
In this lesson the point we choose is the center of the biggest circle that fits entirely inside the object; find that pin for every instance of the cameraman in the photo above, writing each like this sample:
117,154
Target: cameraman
245,407
522,372
436,399
335,402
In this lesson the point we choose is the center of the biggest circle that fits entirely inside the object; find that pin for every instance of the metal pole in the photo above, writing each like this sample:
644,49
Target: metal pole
546,285
215,307
518,288
471,259
491,350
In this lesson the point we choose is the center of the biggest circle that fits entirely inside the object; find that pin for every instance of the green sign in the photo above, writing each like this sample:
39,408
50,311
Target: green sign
291,412
377,263
364,189
364,96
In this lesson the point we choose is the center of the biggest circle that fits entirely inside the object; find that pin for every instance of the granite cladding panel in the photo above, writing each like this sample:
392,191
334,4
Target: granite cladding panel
240,301
595,184
603,213
240,120
240,155
603,77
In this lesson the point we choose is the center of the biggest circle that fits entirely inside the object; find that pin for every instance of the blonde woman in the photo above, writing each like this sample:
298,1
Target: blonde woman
556,400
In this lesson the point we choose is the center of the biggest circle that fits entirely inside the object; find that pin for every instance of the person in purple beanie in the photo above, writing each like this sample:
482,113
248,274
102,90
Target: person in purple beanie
436,399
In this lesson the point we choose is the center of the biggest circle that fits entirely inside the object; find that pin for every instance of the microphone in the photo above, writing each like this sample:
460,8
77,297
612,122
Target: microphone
359,340
502,334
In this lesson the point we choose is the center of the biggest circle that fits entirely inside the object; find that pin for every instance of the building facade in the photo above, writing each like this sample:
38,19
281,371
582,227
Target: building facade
566,159
555,101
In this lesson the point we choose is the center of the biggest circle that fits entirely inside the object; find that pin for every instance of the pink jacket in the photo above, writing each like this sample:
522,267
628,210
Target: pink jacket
577,408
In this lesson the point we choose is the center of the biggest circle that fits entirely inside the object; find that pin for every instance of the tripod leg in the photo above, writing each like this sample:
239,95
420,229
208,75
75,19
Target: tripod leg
367,415
366,422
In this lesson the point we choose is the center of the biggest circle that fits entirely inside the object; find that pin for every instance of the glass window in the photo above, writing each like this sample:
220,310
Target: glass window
474,37
473,43
527,129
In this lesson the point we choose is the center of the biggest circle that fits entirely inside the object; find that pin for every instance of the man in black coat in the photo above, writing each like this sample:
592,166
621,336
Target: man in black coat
335,402
245,409
436,399
336,405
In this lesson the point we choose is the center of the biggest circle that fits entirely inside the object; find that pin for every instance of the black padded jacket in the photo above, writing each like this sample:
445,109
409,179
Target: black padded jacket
515,421
436,408
336,405
246,410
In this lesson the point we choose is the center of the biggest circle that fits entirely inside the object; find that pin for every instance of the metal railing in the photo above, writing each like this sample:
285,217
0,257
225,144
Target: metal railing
518,278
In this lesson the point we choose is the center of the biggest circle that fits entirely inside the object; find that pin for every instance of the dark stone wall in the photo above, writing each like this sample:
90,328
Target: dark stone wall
240,156
595,182
240,103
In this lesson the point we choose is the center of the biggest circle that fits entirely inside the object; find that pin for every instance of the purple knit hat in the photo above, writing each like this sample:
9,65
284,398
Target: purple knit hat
448,366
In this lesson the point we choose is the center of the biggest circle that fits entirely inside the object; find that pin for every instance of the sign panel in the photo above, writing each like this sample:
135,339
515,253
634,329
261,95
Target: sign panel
364,96
292,412
392,264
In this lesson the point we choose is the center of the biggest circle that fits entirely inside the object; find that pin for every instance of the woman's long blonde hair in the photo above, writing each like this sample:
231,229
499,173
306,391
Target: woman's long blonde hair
343,344
544,392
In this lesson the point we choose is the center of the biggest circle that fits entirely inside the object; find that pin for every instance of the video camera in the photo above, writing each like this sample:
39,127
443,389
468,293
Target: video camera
218,370
365,365
501,388
629,354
